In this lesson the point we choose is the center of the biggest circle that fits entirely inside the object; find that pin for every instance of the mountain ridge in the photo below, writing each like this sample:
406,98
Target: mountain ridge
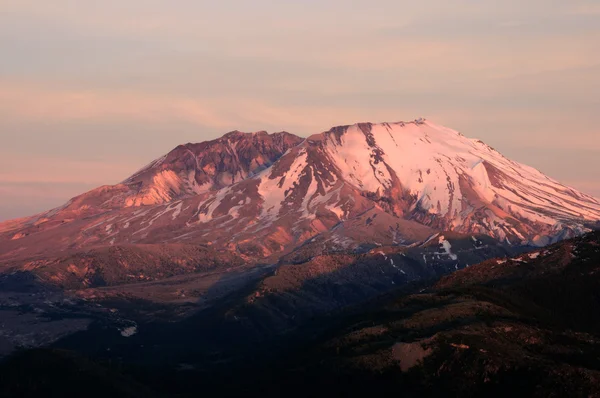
261,196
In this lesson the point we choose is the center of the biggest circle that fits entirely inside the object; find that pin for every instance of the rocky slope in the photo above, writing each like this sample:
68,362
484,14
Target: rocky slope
515,326
193,169
265,197
527,330
189,170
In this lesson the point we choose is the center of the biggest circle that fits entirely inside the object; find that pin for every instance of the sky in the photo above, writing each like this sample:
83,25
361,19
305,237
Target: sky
92,90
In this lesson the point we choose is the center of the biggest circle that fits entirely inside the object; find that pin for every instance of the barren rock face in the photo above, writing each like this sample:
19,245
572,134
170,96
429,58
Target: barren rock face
195,168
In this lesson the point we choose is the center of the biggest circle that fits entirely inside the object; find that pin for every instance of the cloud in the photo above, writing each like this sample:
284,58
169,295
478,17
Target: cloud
48,170
586,9
32,101
467,110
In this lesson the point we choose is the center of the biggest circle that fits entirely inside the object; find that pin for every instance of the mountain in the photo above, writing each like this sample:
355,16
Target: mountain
193,169
262,198
320,258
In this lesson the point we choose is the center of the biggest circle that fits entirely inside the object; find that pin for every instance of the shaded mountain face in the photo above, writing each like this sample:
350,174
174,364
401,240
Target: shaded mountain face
523,325
260,197
527,329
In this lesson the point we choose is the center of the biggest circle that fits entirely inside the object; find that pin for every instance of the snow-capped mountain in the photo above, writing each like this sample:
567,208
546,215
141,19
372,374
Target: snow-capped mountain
444,180
263,196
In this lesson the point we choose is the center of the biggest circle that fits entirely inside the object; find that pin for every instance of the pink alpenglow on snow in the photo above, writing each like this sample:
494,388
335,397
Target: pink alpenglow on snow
264,195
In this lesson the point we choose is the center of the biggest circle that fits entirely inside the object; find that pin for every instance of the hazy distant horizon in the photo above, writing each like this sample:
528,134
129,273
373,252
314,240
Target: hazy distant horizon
90,92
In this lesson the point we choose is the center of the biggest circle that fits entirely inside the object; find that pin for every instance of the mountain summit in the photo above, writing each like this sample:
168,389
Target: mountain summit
262,196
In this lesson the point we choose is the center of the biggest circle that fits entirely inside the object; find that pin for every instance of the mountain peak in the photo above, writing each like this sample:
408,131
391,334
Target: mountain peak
260,133
263,195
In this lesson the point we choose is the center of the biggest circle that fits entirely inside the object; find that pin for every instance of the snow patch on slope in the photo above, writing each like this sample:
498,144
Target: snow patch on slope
446,246
274,190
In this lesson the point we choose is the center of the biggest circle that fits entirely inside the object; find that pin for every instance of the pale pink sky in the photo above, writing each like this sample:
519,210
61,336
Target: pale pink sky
90,91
